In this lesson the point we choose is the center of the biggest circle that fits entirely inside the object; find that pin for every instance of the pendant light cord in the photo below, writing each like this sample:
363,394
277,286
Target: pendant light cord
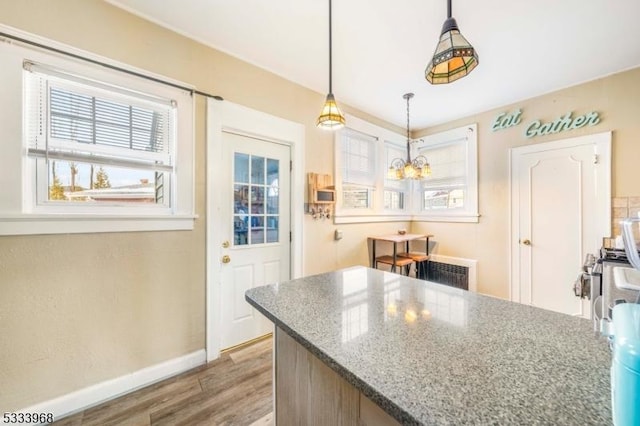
448,8
408,133
330,48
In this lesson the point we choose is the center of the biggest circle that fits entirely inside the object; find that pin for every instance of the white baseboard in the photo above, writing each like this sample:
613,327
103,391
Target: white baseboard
92,395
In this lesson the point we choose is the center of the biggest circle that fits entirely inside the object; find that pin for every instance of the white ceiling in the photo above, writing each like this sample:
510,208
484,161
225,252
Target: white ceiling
381,47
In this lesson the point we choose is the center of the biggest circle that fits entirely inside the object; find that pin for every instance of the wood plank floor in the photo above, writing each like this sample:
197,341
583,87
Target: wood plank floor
235,389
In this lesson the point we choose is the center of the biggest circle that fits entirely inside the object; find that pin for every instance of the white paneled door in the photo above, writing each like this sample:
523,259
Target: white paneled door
255,241
560,212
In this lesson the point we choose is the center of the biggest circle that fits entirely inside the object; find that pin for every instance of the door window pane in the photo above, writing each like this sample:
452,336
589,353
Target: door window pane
257,170
257,199
272,204
257,229
273,171
241,167
241,199
240,228
272,229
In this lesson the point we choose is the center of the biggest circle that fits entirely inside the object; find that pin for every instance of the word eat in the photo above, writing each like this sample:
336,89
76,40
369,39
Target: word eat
505,120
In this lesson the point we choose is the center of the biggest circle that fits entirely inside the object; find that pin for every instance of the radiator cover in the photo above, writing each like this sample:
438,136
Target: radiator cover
445,273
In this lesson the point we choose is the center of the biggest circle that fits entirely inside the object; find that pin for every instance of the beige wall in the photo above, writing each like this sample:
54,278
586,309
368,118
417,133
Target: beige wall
76,310
615,98
79,309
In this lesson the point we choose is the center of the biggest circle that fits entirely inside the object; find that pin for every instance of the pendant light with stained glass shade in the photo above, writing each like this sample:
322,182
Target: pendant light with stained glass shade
454,56
418,168
331,118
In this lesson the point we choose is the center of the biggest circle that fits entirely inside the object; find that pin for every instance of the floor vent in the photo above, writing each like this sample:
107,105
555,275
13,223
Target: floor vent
451,275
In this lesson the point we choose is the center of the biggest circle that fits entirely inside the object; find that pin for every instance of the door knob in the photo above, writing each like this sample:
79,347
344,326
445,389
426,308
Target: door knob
226,259
527,242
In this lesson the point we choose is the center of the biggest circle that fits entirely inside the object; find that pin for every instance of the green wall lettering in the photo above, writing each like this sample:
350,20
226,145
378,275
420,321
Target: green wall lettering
505,120
561,124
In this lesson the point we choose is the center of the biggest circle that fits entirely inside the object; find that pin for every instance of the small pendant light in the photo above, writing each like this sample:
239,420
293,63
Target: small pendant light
454,56
331,117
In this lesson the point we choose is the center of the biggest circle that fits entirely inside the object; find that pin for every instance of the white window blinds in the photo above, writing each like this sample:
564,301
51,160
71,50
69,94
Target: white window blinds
358,158
448,163
393,151
76,119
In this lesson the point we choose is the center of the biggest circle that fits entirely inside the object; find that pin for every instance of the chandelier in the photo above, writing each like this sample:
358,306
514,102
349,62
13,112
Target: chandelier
418,168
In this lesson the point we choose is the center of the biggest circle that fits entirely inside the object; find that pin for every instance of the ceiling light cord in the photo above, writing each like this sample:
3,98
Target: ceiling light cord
408,96
331,118
331,53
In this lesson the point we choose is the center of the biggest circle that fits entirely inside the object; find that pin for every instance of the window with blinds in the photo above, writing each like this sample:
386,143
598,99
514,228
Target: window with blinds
97,144
447,185
395,190
451,192
358,155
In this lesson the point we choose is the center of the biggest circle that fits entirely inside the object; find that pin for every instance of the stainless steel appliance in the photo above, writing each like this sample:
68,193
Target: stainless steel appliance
596,283
588,284
610,294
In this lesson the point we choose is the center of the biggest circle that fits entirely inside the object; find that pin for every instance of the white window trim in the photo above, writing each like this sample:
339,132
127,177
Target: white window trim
376,213
15,202
470,213
404,187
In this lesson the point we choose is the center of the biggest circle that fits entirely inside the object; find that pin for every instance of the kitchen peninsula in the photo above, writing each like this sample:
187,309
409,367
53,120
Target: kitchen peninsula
363,345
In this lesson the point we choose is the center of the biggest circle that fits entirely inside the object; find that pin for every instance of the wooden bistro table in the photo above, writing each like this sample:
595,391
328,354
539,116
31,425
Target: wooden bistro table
398,239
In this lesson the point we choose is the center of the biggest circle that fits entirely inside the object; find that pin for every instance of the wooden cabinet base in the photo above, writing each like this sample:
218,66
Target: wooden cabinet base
307,392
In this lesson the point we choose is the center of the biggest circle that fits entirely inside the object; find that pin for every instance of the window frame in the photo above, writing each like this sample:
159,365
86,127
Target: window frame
376,212
18,212
468,136
358,184
402,187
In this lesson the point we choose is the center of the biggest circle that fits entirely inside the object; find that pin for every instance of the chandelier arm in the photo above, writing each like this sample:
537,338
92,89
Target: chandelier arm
397,163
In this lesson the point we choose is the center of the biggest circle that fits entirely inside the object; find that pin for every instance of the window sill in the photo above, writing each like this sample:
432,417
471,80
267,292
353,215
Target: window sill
370,219
459,218
29,224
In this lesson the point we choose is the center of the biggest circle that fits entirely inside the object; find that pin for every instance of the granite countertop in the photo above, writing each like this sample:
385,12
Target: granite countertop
431,354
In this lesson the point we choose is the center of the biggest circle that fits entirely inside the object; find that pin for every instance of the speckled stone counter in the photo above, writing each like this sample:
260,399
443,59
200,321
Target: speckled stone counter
431,354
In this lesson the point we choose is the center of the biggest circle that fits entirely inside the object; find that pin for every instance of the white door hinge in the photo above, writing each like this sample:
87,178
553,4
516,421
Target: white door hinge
595,159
